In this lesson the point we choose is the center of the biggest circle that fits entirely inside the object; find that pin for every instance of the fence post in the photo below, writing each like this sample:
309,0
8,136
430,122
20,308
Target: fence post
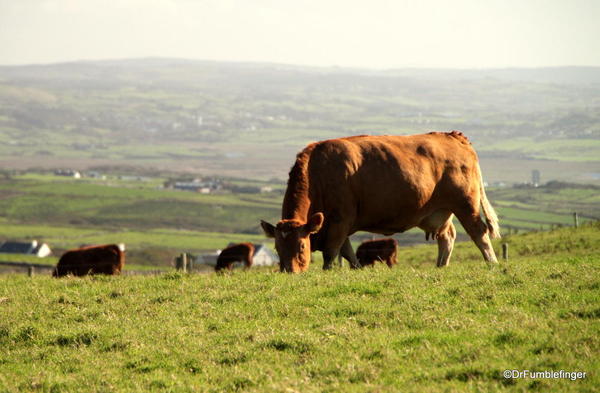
190,263
181,262
30,271
505,251
575,220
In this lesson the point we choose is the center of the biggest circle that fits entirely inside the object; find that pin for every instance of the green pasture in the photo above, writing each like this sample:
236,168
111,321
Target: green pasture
156,224
584,200
169,242
550,149
413,328
40,199
120,205
131,265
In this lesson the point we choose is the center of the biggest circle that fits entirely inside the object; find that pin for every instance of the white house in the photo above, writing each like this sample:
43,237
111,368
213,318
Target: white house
30,248
263,256
68,173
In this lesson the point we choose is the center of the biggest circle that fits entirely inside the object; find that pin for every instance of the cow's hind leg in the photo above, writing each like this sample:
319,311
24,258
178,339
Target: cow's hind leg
439,225
445,240
478,231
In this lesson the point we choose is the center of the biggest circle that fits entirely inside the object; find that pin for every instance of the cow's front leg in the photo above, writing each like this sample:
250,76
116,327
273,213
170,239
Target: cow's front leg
348,253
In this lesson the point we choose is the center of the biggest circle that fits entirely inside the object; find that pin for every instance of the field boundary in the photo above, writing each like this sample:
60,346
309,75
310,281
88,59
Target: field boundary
30,268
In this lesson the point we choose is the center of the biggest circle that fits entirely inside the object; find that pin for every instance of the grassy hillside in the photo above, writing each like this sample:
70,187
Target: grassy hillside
413,328
69,202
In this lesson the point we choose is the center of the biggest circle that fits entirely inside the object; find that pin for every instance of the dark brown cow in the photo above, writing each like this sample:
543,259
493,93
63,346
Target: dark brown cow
107,259
381,184
242,252
371,251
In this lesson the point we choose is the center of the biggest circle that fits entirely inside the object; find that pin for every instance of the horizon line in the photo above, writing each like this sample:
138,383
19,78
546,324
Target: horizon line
273,63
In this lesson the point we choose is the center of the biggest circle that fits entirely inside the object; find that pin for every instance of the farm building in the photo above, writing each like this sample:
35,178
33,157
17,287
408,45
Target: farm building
30,248
68,173
263,256
207,259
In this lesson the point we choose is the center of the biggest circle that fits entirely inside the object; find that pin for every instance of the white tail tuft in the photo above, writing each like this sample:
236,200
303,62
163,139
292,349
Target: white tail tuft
488,211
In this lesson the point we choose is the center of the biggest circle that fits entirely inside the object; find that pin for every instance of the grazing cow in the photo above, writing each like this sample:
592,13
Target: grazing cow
381,184
371,251
242,252
107,259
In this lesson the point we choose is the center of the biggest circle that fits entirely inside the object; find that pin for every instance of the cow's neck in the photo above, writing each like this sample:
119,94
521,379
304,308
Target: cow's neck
296,203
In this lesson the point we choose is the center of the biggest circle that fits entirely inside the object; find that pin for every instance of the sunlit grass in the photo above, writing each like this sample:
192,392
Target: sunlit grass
413,328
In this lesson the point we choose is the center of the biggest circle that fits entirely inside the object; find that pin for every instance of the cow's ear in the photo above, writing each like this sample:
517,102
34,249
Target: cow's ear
314,224
267,228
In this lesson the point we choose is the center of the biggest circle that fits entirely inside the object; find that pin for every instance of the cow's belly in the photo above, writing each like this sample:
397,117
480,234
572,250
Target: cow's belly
391,220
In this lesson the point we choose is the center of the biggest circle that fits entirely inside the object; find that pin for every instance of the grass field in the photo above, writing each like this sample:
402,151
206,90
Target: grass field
65,202
414,328
558,149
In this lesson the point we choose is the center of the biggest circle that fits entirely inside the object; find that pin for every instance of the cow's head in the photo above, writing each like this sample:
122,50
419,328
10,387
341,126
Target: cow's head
292,241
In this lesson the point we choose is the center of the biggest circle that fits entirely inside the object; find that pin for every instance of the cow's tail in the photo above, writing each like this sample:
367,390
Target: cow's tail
488,211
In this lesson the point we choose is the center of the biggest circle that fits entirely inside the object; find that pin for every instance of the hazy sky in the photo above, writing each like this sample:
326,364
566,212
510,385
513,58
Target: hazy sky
369,33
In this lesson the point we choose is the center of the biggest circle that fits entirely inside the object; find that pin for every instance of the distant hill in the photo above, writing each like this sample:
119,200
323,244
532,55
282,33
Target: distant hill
82,70
253,117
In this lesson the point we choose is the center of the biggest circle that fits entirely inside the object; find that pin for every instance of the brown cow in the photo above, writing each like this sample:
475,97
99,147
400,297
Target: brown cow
242,252
107,259
381,184
371,251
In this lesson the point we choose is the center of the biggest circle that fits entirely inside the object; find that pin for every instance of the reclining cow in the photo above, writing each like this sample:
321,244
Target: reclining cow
382,250
106,259
242,252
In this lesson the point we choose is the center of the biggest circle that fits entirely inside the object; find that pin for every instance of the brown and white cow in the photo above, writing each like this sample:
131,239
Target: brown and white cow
371,251
381,184
242,252
106,259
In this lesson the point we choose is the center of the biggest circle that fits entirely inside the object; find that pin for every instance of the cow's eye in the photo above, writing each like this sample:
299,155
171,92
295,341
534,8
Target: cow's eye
302,246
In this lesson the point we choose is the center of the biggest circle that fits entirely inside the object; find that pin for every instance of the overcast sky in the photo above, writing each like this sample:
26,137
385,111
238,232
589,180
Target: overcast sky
370,33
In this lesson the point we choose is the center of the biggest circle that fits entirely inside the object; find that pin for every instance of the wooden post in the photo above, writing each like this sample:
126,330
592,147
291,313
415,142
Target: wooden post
505,251
190,263
185,262
575,220
30,271
180,263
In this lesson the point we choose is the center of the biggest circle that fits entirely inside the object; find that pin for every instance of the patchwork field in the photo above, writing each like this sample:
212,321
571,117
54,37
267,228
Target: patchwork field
414,328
